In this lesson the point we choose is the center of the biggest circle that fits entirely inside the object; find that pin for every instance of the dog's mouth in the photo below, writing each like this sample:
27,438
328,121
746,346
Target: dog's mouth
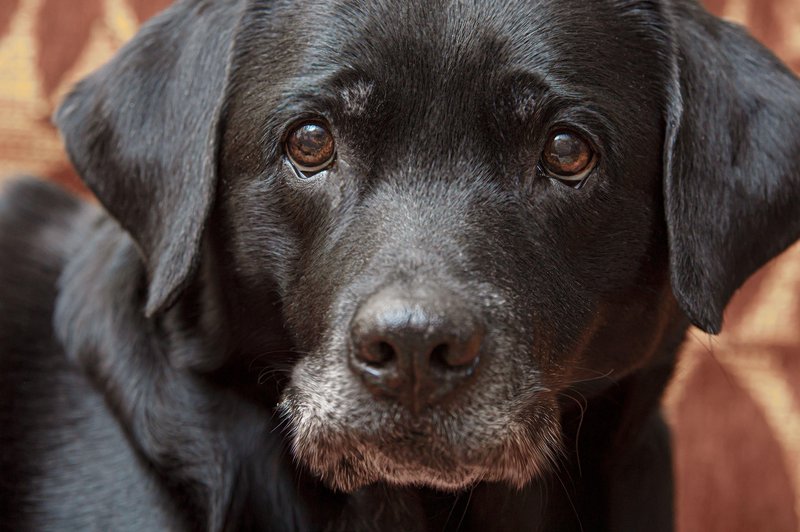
421,385
442,450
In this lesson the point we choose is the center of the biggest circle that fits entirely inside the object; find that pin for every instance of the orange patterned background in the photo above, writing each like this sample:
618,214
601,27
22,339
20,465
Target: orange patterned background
735,403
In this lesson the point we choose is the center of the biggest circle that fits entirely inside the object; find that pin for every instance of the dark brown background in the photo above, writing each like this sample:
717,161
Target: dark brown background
735,404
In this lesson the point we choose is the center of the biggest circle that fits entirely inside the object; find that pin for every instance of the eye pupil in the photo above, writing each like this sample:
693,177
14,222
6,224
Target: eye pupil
310,147
567,155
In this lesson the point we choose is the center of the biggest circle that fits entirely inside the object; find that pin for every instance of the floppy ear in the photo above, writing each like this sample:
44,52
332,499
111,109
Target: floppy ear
142,132
732,161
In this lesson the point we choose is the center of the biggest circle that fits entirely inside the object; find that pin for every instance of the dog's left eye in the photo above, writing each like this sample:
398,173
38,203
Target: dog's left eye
568,157
310,147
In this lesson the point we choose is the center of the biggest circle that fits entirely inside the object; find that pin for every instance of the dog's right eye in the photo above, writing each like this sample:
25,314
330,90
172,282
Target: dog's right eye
568,157
310,147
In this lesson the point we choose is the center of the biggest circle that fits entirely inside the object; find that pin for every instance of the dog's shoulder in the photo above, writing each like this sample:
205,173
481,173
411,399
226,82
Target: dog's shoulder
39,225
65,460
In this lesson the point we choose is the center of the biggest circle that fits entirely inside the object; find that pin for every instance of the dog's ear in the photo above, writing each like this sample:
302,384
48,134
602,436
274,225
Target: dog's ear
143,131
732,161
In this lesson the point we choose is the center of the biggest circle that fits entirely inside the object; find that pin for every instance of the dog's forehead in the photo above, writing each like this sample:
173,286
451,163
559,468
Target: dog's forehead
561,39
446,68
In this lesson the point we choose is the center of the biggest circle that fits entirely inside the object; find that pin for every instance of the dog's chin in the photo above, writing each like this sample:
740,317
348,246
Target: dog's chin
347,460
348,466
384,469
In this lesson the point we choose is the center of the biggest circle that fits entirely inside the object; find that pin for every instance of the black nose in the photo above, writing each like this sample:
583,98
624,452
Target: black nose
418,346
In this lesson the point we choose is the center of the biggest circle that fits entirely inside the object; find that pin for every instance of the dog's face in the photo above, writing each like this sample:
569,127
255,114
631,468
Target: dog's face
458,211
465,209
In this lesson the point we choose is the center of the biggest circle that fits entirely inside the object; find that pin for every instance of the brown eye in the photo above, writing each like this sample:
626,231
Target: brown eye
310,147
568,157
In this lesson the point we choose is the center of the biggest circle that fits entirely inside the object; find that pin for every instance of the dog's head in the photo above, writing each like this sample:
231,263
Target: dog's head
462,209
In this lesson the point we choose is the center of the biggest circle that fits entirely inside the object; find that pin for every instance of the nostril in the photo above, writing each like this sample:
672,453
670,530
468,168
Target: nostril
379,352
439,356
385,352
457,354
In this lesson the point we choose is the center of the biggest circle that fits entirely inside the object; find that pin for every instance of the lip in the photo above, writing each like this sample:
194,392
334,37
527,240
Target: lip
422,451
348,470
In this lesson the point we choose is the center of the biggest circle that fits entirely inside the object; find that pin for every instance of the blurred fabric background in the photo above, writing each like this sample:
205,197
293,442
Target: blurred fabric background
735,402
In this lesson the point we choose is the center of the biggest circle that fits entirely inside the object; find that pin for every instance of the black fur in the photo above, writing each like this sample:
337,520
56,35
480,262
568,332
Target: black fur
177,358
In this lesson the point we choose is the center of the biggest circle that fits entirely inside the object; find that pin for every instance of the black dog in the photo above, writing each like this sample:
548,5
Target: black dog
384,265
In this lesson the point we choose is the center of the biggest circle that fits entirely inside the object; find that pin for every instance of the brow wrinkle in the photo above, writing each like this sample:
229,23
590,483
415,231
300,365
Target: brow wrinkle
356,96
